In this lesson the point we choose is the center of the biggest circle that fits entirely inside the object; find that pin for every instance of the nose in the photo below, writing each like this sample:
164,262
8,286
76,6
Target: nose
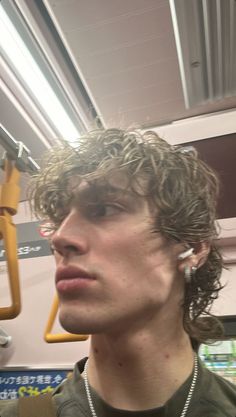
70,238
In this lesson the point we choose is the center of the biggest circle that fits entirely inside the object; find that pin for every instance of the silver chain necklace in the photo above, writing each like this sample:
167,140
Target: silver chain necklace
186,405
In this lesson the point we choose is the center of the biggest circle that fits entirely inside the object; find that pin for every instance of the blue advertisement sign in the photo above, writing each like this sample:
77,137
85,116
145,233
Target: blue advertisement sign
25,383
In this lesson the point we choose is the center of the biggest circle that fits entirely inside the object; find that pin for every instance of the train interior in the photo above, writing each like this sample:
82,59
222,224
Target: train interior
69,66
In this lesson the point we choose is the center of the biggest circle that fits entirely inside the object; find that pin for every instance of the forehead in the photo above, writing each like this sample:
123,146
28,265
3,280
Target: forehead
118,184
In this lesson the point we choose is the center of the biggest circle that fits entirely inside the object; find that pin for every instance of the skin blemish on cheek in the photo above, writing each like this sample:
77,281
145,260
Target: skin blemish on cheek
167,356
96,351
120,364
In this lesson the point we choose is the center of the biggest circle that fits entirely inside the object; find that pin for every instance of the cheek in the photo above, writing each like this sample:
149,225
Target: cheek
138,251
156,267
129,250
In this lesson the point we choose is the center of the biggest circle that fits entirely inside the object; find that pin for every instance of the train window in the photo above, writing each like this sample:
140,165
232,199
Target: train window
220,357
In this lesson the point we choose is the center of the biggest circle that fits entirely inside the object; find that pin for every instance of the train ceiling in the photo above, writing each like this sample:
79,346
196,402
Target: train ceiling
142,63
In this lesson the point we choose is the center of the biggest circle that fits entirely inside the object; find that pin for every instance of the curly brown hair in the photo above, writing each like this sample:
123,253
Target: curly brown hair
183,189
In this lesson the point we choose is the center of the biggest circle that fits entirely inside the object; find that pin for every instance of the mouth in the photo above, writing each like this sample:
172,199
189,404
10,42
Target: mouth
72,278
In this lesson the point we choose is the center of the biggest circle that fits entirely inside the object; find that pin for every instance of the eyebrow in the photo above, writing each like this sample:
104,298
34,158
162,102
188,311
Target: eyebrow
91,191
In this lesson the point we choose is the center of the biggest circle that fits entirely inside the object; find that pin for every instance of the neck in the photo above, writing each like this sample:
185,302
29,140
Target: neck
141,370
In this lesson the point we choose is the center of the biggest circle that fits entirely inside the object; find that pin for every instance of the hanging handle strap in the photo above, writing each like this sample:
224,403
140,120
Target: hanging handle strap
37,406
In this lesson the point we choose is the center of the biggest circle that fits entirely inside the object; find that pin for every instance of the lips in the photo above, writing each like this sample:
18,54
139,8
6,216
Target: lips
72,273
73,280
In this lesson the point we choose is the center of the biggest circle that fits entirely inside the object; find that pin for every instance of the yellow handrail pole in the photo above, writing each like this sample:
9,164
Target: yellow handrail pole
9,197
8,233
59,337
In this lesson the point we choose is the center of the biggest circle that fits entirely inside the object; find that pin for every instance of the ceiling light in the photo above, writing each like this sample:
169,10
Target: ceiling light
19,57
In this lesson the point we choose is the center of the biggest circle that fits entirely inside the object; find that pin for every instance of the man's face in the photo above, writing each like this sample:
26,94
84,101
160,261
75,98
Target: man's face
113,271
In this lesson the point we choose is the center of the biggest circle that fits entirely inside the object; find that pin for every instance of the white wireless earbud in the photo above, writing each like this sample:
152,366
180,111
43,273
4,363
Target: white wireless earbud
185,254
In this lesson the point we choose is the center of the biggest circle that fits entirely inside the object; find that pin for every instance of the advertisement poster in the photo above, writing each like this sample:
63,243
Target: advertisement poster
31,243
29,382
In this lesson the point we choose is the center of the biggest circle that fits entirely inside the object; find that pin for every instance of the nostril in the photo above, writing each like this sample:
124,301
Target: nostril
63,250
71,248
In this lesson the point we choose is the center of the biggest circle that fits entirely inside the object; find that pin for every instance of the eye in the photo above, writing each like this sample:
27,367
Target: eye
104,210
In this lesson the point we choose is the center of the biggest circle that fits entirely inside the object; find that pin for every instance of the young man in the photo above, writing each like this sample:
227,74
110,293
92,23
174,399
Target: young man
133,229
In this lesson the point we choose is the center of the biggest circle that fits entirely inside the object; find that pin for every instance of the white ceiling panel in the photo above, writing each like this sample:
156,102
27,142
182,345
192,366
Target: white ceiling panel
123,31
126,54
121,58
78,13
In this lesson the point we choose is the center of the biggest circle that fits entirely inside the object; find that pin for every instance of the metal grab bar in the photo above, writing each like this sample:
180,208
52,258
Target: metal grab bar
16,159
9,197
59,337
5,339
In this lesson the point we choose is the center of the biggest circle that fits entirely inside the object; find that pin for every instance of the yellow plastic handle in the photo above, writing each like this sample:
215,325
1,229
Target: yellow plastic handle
59,337
8,234
9,197
9,190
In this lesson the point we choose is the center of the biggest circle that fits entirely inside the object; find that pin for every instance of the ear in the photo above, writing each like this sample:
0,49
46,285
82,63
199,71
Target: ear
197,258
201,252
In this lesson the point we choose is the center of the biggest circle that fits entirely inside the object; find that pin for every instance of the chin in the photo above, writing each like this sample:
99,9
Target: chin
78,325
72,325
